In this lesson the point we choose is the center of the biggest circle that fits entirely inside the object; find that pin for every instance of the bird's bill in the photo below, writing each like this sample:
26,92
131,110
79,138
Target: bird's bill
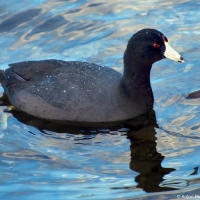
172,54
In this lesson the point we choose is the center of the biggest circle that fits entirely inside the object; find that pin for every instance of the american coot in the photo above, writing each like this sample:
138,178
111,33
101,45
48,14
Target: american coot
85,92
194,95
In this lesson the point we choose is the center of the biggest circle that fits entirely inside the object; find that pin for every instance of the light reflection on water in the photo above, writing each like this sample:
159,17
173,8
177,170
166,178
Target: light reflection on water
105,164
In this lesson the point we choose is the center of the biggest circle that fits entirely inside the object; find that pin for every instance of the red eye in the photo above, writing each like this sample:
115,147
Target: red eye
156,45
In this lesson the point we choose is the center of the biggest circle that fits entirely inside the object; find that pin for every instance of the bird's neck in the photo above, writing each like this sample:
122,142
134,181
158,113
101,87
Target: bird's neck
136,82
137,74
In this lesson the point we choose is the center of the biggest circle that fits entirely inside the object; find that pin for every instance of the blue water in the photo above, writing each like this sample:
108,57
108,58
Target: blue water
104,164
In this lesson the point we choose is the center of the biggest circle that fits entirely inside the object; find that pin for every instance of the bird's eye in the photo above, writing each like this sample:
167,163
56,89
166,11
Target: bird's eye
156,45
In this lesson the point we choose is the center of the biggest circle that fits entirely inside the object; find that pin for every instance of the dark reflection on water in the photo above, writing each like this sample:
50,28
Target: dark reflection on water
144,157
146,160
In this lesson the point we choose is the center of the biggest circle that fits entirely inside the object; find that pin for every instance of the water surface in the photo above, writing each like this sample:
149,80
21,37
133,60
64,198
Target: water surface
150,163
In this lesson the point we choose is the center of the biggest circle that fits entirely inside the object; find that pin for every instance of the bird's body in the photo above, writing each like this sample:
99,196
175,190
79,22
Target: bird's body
80,91
73,91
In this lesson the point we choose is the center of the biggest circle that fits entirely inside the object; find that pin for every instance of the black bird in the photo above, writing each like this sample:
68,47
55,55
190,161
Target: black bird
77,91
194,95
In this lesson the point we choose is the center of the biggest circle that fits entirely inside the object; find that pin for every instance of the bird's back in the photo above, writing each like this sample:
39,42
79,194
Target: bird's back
73,91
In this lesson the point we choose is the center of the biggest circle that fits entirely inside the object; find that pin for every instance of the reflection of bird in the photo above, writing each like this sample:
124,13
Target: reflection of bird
86,92
146,160
144,157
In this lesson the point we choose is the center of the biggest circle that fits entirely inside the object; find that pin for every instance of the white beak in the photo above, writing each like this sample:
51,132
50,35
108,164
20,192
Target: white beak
172,54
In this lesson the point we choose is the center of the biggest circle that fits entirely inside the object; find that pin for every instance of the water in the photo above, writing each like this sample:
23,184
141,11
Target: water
150,163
